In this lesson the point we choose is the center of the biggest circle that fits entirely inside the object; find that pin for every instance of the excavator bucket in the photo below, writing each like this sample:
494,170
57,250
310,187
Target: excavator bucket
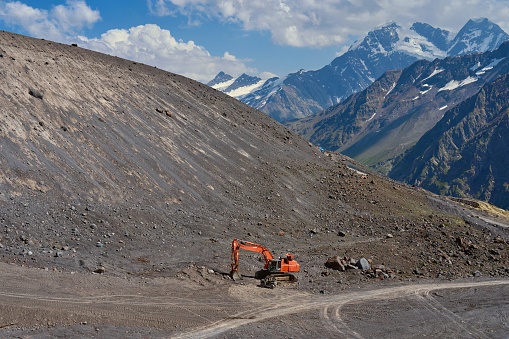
235,275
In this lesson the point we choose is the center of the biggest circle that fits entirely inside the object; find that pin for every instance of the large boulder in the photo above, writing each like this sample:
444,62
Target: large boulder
335,263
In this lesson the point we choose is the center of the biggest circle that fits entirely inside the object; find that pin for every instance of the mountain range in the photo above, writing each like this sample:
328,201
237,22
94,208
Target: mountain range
387,47
378,125
382,121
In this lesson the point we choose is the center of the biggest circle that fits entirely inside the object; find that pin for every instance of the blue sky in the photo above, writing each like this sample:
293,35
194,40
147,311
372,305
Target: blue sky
199,38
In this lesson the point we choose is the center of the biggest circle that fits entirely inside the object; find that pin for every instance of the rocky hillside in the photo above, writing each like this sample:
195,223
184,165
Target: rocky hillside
465,154
380,123
388,47
114,167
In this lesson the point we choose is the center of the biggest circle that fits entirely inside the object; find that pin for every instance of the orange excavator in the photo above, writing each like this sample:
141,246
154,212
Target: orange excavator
274,271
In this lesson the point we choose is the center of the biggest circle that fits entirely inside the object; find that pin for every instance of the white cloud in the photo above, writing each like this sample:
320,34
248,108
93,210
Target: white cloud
75,15
313,23
159,8
56,24
147,43
155,46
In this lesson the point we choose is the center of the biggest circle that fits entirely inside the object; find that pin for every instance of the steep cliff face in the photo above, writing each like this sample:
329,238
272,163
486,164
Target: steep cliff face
465,154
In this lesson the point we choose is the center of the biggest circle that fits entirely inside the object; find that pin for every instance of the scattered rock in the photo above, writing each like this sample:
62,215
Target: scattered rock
418,271
35,93
100,270
342,234
335,264
363,264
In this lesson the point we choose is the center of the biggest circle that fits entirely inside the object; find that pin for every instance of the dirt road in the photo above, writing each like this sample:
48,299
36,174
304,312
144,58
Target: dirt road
333,317
48,303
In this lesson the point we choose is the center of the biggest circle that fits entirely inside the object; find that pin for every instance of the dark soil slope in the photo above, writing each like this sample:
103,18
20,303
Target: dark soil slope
109,163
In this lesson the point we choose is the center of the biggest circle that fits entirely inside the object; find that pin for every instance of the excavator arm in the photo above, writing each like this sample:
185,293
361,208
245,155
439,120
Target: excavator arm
250,246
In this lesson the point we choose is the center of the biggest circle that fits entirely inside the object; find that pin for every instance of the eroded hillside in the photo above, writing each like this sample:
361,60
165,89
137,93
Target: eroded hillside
112,165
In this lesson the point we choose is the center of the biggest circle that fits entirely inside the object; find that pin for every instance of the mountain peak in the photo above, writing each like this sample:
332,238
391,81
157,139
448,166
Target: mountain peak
386,25
440,38
381,40
220,78
478,35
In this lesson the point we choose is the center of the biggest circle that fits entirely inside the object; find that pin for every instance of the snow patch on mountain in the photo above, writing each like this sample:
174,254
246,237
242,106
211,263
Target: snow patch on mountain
390,90
245,90
419,47
453,84
493,63
371,118
435,72
427,90
223,85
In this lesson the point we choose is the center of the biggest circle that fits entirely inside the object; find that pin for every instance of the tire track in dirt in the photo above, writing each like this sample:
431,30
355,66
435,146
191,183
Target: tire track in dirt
436,308
332,318
149,312
306,302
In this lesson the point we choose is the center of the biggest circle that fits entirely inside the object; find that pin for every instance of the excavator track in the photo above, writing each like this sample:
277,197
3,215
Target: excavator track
271,280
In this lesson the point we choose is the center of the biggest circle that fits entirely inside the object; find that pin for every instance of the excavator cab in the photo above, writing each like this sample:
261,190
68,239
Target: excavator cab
274,265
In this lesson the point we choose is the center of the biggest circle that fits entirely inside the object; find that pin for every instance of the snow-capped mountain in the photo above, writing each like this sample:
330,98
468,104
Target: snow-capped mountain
479,35
238,87
378,124
388,46
221,78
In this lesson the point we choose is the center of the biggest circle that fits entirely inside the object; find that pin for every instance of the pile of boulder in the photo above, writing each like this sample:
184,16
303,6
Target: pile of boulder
367,267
